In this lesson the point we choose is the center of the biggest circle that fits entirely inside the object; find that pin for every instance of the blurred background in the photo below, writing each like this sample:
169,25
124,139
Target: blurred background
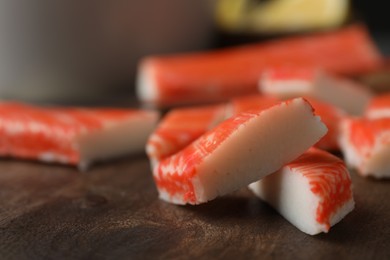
87,51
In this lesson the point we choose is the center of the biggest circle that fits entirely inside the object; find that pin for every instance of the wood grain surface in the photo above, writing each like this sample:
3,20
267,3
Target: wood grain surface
112,212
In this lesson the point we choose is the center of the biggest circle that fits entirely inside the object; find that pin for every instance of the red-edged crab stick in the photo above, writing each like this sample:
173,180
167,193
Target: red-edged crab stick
314,192
365,144
237,152
75,136
290,82
220,75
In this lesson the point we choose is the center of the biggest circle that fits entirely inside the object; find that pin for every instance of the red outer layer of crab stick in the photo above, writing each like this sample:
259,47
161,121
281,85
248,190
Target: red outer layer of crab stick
379,107
220,75
290,82
332,117
365,144
237,152
180,127
75,136
314,192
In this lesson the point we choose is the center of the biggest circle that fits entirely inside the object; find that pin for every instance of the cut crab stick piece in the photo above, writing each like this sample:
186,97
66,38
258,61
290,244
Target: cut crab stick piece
289,82
330,115
74,136
237,152
223,74
313,193
365,144
379,107
180,127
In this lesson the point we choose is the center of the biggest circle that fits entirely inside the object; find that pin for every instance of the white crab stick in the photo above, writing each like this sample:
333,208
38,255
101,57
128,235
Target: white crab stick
379,107
313,193
365,144
75,136
289,82
237,152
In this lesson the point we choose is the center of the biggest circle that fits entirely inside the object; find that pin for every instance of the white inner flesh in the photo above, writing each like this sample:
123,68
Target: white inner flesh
346,94
289,193
146,89
258,148
116,140
286,89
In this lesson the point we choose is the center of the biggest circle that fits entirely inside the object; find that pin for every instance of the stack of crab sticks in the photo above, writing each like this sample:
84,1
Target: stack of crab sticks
288,103
259,137
232,155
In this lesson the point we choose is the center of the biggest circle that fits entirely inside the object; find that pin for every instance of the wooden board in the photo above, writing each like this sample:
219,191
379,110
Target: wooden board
112,212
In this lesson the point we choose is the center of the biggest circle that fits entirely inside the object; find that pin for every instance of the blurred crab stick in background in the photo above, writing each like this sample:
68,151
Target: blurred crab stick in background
75,136
379,107
290,82
180,127
237,152
220,75
313,193
365,144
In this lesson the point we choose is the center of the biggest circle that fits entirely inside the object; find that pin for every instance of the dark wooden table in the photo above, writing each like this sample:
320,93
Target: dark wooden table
112,212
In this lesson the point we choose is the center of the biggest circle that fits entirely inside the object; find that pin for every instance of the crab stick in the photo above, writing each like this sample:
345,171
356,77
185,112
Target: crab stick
75,136
330,115
237,152
289,82
220,75
314,192
180,127
365,144
379,107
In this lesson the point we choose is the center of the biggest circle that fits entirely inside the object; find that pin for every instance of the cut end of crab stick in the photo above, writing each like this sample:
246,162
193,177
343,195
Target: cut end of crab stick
220,75
289,82
313,193
365,144
75,136
127,136
149,92
379,107
180,127
237,152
